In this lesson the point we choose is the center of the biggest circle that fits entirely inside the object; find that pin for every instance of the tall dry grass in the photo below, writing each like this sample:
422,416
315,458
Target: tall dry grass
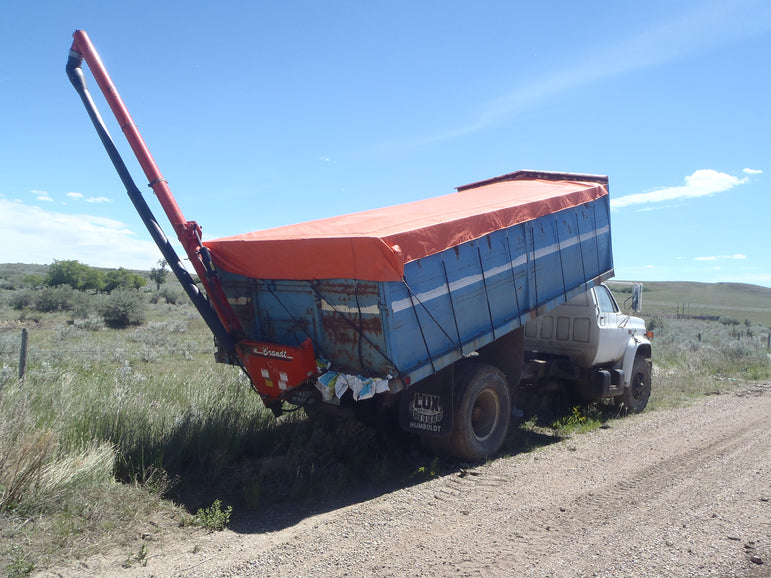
693,358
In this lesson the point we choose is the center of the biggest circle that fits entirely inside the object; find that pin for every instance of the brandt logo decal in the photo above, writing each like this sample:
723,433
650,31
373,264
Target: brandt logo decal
266,351
426,412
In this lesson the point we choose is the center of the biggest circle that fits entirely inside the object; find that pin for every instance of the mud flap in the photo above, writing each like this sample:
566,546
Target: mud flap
426,408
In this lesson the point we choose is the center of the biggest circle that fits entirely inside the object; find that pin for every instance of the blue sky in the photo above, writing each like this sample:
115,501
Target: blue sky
262,114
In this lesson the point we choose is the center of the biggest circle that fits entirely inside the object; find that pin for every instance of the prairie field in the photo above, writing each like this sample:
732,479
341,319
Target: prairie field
114,429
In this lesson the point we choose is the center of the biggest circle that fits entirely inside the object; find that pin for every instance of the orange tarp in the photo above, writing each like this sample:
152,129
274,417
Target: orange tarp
375,245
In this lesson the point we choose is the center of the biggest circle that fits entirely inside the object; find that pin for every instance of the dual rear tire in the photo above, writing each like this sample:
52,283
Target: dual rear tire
481,415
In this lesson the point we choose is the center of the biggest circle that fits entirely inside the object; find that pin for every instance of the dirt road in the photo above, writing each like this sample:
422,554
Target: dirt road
685,492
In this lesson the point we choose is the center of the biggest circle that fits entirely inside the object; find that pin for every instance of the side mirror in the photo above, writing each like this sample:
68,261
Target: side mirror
637,297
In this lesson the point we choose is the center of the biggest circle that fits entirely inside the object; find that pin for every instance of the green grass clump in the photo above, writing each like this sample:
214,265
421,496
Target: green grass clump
213,518
581,419
18,563
139,558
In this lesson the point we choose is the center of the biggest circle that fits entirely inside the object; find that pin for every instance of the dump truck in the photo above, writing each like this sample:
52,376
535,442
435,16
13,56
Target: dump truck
441,313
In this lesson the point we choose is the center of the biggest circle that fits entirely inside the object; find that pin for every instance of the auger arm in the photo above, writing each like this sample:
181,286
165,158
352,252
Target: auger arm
215,309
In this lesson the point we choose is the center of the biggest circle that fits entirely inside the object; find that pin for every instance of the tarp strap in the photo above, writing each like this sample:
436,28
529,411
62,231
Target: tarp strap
533,262
581,246
514,281
596,239
452,305
487,295
361,323
414,296
420,326
292,317
559,252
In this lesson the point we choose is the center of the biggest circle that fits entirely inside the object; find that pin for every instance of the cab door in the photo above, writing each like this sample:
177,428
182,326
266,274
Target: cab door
612,331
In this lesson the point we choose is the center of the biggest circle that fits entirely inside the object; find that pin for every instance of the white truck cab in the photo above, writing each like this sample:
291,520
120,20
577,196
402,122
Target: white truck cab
590,342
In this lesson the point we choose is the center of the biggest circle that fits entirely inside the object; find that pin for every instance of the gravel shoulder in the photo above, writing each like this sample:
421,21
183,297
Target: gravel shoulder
683,492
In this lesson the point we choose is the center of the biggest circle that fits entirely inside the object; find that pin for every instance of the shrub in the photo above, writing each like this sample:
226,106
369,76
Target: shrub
654,323
85,305
90,323
21,299
170,295
124,308
46,300
53,299
33,281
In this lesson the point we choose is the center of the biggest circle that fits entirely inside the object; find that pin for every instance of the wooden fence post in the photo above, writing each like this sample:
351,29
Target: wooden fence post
23,354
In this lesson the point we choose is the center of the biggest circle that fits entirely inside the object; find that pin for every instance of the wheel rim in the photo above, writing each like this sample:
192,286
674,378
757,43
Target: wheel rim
485,415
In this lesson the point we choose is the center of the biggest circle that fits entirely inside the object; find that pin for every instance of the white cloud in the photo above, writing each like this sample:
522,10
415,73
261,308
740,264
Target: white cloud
36,235
42,195
737,256
700,184
80,196
752,172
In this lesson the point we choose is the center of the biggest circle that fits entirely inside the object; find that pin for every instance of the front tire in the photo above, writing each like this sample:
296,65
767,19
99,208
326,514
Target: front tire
635,397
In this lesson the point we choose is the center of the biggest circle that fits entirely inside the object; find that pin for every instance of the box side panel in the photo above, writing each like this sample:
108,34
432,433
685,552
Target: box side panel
505,281
456,301
422,323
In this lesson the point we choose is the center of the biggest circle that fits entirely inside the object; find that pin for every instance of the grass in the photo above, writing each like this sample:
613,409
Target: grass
728,301
108,425
113,429
139,558
213,518
581,419
694,358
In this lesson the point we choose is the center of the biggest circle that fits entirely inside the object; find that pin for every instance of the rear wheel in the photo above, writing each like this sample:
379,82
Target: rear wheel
635,397
481,416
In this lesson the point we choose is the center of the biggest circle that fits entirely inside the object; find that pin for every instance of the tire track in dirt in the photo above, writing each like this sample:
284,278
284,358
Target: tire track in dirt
619,502
646,484
663,501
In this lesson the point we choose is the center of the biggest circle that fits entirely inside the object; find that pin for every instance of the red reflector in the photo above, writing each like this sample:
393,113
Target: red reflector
276,368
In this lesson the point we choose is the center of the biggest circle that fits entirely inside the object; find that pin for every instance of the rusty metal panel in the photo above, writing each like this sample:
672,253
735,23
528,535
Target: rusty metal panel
353,331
